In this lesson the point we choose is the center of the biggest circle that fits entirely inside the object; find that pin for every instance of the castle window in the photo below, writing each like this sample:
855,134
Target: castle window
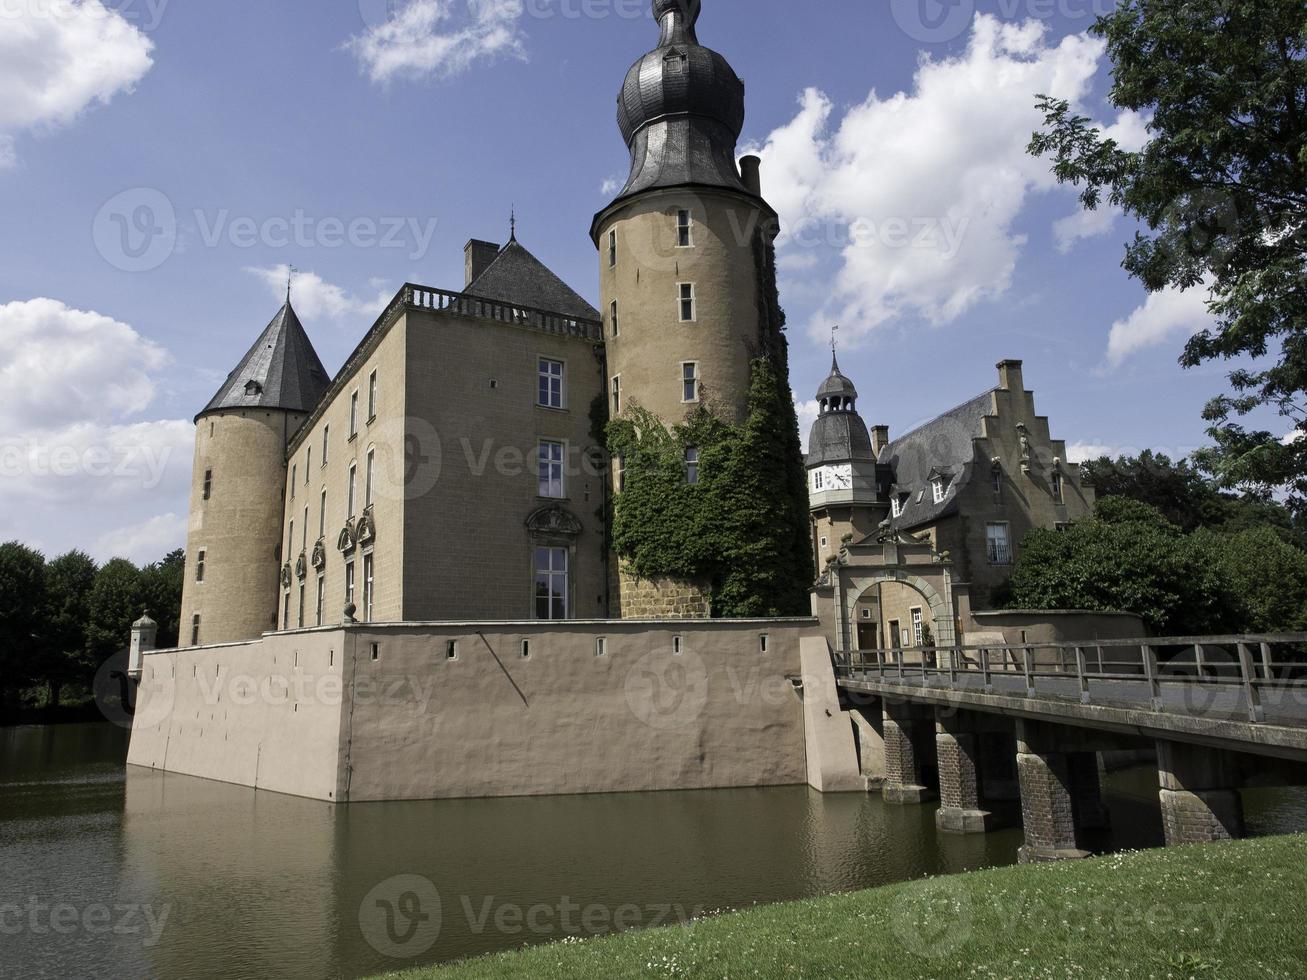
612,316
601,646
684,227
372,396
1061,527
617,396
308,464
199,566
353,489
676,646
195,630
823,542
621,472
290,540
997,479
369,477
208,484
692,466
939,487
551,583
550,461
354,415
526,649
818,481
349,583
294,479
1058,493
322,515
551,384
326,442
898,503
918,632
612,250
689,382
301,620
451,649
687,302
998,544
285,614
304,540
763,643
322,597
368,587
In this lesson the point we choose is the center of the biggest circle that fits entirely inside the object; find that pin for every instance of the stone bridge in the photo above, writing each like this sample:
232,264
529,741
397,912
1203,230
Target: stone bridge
975,726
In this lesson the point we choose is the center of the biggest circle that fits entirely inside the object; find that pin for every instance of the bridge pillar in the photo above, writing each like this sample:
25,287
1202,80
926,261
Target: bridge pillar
957,747
1048,799
907,744
1200,798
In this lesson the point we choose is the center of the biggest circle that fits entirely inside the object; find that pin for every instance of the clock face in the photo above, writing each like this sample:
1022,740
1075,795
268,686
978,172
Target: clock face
841,478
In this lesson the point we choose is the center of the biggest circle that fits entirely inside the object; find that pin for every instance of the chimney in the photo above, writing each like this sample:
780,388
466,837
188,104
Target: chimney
879,438
477,255
751,174
1009,376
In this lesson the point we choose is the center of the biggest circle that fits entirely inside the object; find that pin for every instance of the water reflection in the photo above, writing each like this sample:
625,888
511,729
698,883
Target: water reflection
256,885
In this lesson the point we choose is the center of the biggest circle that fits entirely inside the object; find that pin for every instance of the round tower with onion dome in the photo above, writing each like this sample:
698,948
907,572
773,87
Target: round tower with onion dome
238,486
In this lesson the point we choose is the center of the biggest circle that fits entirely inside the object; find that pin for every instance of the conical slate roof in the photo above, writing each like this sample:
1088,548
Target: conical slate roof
839,435
518,277
837,383
281,370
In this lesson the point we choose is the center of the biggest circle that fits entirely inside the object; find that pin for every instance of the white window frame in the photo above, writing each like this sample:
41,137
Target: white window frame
369,585
551,386
351,503
682,299
370,477
939,487
612,249
994,543
322,598
692,379
326,444
354,413
897,504
350,583
553,576
692,466
684,228
372,395
546,469
613,318
615,395
918,626
818,480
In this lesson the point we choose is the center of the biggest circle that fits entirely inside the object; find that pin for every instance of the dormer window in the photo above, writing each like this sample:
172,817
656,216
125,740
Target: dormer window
253,388
899,501
939,487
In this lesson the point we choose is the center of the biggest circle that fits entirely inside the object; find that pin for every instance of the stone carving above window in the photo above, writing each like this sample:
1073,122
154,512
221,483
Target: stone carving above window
301,567
345,541
367,528
553,520
319,559
285,575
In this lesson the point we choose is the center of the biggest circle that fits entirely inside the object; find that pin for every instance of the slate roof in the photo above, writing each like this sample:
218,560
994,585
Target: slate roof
518,277
943,446
838,436
281,370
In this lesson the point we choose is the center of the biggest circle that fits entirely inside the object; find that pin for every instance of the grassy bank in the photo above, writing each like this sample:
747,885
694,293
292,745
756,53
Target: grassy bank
1218,911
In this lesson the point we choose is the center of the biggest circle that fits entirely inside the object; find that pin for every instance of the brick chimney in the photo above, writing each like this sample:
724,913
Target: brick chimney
477,255
1009,376
879,438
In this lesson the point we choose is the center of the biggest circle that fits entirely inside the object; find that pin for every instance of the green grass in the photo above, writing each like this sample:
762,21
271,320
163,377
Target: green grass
1215,911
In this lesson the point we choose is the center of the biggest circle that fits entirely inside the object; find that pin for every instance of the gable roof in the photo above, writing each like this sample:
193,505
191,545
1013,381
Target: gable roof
518,277
943,446
281,370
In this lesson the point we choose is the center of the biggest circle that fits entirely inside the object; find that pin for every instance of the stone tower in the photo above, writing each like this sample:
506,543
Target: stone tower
687,271
842,481
238,485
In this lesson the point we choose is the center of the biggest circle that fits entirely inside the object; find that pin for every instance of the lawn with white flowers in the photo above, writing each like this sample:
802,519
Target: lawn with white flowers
1235,910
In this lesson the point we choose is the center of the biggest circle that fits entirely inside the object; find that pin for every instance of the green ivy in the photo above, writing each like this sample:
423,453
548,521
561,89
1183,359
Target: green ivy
743,528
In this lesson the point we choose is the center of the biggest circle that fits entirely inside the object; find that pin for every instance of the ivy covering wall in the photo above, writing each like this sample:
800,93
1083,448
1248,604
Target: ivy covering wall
743,527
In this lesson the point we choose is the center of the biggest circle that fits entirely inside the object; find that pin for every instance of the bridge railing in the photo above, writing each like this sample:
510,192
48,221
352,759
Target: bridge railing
1249,665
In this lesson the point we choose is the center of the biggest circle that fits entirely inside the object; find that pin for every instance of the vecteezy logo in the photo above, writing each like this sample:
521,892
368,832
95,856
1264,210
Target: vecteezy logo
142,702
136,231
933,21
400,918
933,918
378,13
668,692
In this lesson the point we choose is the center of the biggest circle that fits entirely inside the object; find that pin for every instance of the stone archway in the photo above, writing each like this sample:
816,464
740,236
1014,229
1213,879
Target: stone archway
856,583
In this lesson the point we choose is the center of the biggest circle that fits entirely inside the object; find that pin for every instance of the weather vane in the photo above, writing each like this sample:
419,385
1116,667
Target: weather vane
834,340
512,224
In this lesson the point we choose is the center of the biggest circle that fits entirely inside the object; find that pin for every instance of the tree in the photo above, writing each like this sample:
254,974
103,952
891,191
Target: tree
64,660
22,600
117,600
1267,575
161,586
1221,186
1128,557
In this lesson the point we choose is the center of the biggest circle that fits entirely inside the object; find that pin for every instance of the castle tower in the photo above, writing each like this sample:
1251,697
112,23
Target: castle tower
238,485
842,488
681,245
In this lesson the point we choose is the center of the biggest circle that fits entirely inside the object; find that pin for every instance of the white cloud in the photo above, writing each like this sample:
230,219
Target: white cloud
1080,452
59,56
610,186
1164,314
427,38
1297,435
1084,224
314,297
59,365
142,543
931,181
807,411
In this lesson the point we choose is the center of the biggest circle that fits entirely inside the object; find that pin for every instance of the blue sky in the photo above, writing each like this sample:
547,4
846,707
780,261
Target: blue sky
156,156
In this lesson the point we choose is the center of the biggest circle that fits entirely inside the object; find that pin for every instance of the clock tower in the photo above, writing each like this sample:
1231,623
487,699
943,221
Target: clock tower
843,494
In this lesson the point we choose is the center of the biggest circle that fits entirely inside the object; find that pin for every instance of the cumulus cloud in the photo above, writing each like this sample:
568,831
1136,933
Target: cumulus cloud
145,542
807,411
439,38
316,298
1130,131
1164,314
57,57
919,192
71,452
610,186
1081,452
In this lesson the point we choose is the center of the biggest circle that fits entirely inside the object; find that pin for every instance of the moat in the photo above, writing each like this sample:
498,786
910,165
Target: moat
118,873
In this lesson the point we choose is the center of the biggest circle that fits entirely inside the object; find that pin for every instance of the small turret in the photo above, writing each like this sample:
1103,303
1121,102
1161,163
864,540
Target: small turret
839,435
144,632
238,485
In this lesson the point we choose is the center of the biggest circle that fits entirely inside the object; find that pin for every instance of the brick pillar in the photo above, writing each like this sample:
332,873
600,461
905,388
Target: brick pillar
1200,796
1048,810
904,750
957,748
1087,791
